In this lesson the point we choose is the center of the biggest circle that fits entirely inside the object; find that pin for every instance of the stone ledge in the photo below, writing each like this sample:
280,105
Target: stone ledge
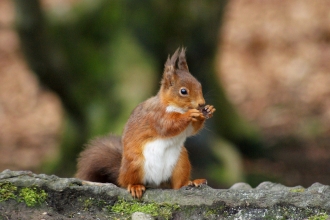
73,198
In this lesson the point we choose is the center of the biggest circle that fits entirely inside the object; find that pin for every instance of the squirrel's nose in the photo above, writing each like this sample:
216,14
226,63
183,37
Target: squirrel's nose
201,105
201,102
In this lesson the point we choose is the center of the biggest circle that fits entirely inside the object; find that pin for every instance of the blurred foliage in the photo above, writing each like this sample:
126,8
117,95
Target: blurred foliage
105,57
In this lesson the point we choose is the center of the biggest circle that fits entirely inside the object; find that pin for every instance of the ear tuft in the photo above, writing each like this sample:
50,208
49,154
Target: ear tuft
170,64
175,57
182,60
169,72
168,61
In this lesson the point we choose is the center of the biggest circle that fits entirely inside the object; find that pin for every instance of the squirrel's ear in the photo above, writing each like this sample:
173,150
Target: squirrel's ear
170,63
182,60
169,72
175,57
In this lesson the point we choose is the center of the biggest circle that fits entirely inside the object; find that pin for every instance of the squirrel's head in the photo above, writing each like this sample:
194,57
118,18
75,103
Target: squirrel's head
180,91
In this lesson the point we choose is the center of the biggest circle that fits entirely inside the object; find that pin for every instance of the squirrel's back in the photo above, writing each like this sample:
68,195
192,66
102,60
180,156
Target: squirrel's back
100,161
142,121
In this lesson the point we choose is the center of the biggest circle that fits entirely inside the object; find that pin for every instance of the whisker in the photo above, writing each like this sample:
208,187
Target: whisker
209,130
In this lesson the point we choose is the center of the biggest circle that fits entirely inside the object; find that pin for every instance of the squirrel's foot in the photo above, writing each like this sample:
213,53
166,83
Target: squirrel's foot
197,182
136,190
208,111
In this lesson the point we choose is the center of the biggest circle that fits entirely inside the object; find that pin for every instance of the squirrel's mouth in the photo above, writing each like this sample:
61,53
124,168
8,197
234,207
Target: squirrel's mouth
201,108
192,108
198,107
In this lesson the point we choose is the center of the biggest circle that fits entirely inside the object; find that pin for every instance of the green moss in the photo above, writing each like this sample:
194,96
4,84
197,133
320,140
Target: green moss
212,212
124,207
88,203
32,196
101,203
321,216
75,184
7,191
297,190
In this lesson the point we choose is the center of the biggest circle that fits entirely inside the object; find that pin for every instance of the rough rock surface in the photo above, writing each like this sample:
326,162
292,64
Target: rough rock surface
73,198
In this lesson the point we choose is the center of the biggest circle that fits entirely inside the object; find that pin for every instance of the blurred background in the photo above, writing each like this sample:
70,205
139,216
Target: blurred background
71,70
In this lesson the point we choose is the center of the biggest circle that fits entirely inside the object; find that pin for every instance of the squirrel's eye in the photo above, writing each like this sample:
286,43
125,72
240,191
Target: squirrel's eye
183,91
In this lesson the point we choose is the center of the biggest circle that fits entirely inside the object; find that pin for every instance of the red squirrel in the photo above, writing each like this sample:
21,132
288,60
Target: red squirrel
151,151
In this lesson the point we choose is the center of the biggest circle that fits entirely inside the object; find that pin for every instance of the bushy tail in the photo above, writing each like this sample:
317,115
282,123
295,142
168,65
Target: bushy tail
100,161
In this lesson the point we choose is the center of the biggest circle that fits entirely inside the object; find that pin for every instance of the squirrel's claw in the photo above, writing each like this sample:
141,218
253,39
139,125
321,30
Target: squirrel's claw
197,182
208,111
136,190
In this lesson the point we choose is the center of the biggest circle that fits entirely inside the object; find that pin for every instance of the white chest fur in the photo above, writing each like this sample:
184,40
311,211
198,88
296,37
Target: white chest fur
161,156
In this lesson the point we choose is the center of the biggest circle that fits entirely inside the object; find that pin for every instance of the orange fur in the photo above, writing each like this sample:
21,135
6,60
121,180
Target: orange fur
181,172
166,116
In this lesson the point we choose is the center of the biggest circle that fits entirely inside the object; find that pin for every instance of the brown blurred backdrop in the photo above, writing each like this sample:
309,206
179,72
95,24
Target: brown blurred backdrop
272,58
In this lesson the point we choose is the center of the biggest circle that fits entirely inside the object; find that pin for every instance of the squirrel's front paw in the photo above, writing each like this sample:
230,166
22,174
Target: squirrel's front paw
195,115
208,111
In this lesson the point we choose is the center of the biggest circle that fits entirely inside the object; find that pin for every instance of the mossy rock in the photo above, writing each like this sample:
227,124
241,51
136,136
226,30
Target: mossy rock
25,195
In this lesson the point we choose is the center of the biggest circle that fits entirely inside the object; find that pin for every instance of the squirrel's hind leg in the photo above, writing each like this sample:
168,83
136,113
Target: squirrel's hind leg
181,173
